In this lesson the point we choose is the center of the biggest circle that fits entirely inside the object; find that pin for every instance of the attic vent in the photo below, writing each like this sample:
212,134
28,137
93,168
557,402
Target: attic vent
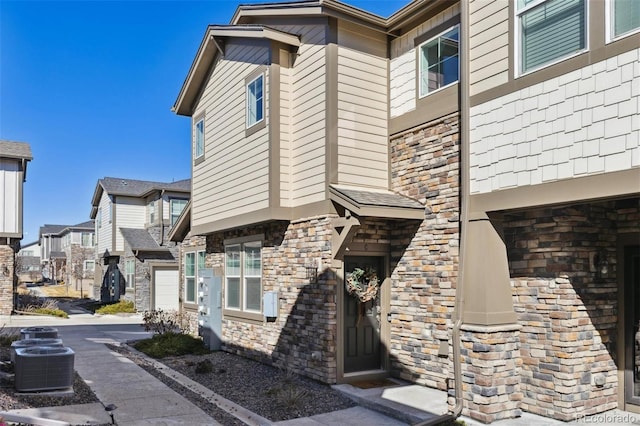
124,182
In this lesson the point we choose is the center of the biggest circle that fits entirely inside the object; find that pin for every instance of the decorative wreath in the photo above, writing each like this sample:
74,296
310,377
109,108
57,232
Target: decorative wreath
363,285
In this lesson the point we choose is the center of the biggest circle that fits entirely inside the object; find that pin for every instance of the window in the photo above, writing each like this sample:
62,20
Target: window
152,212
243,273
99,218
439,61
175,209
625,17
89,266
87,239
198,143
129,272
191,269
255,101
550,30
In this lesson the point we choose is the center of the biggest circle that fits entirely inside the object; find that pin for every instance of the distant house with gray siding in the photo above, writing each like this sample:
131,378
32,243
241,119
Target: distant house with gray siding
14,157
134,260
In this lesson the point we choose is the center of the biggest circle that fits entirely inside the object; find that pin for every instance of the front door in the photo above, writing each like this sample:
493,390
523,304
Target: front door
362,318
632,324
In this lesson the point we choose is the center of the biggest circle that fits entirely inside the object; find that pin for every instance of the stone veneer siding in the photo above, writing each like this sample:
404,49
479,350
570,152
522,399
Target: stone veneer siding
10,281
307,316
424,256
569,318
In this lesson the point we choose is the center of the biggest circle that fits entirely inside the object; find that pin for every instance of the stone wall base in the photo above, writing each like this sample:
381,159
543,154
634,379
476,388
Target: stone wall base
491,372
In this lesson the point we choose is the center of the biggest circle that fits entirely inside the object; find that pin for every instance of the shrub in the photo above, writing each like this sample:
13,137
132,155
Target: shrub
204,367
123,306
171,344
7,337
32,303
162,322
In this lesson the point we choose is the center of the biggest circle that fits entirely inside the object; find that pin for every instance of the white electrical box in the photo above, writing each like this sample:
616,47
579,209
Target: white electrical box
270,302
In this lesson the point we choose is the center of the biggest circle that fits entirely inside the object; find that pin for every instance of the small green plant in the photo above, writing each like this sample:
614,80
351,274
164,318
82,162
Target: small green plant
37,305
162,322
171,344
288,391
51,312
204,367
123,306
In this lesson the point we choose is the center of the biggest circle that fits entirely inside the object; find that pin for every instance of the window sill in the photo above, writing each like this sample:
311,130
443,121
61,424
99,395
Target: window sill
249,317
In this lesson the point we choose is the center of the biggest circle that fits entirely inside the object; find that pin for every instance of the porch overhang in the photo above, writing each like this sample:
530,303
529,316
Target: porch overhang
370,202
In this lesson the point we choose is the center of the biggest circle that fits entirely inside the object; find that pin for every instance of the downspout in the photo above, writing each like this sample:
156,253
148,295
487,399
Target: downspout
464,201
463,93
162,217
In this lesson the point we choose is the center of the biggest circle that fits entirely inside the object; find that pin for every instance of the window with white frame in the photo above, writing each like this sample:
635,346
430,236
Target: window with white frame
255,101
439,61
129,272
624,17
243,274
198,139
89,266
193,263
87,239
175,209
549,30
151,207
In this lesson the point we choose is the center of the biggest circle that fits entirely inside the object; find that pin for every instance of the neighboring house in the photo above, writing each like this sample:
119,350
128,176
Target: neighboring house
339,154
52,257
28,265
78,246
134,260
14,157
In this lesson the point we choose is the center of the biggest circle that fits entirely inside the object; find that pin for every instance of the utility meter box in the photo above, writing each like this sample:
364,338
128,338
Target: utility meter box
210,308
270,304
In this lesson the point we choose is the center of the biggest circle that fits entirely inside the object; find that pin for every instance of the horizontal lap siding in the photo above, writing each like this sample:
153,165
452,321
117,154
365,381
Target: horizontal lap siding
362,107
489,45
306,122
234,177
9,190
130,213
105,235
286,96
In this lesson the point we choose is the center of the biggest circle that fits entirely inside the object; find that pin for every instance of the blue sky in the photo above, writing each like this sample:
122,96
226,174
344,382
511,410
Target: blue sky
90,85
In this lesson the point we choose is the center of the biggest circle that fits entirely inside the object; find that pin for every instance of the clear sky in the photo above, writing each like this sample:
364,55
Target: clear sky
90,85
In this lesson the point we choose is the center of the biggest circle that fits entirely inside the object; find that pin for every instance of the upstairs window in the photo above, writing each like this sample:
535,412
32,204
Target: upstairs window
625,17
255,101
439,64
198,142
175,209
130,271
151,207
87,239
549,30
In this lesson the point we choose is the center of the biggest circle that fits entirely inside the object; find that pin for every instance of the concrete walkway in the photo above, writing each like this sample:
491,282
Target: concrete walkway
141,399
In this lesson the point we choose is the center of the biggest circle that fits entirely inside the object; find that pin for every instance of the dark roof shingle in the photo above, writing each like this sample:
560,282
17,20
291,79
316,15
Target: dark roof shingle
9,149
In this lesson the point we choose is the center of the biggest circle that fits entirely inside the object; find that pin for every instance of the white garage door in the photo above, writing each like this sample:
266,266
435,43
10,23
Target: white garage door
166,289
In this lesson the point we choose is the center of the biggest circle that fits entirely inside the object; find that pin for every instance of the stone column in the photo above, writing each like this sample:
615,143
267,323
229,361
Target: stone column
7,277
490,372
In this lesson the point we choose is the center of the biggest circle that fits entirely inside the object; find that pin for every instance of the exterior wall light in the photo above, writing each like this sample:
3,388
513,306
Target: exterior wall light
601,264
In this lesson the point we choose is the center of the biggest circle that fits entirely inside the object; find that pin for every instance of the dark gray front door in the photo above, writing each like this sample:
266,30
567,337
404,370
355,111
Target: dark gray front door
362,320
632,324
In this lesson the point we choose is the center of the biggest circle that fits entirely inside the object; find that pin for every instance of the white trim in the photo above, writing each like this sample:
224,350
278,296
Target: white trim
195,138
259,76
518,40
609,36
419,73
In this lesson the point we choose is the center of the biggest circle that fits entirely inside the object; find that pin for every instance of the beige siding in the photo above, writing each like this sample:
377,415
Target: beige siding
233,179
308,116
489,29
286,96
130,213
362,110
9,197
104,235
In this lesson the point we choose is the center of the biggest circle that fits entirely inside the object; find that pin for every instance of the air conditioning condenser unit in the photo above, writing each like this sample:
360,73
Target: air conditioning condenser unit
43,368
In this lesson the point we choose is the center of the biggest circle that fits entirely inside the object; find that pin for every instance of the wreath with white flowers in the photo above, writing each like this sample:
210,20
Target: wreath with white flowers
363,285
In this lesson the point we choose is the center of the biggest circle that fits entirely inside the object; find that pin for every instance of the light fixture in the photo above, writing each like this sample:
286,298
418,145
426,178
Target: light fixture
601,264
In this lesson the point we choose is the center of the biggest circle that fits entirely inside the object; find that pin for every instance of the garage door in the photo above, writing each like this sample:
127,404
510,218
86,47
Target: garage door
166,289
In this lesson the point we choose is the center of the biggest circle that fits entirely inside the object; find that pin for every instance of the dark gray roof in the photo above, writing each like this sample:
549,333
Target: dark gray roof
377,198
90,224
138,188
52,229
140,239
9,149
